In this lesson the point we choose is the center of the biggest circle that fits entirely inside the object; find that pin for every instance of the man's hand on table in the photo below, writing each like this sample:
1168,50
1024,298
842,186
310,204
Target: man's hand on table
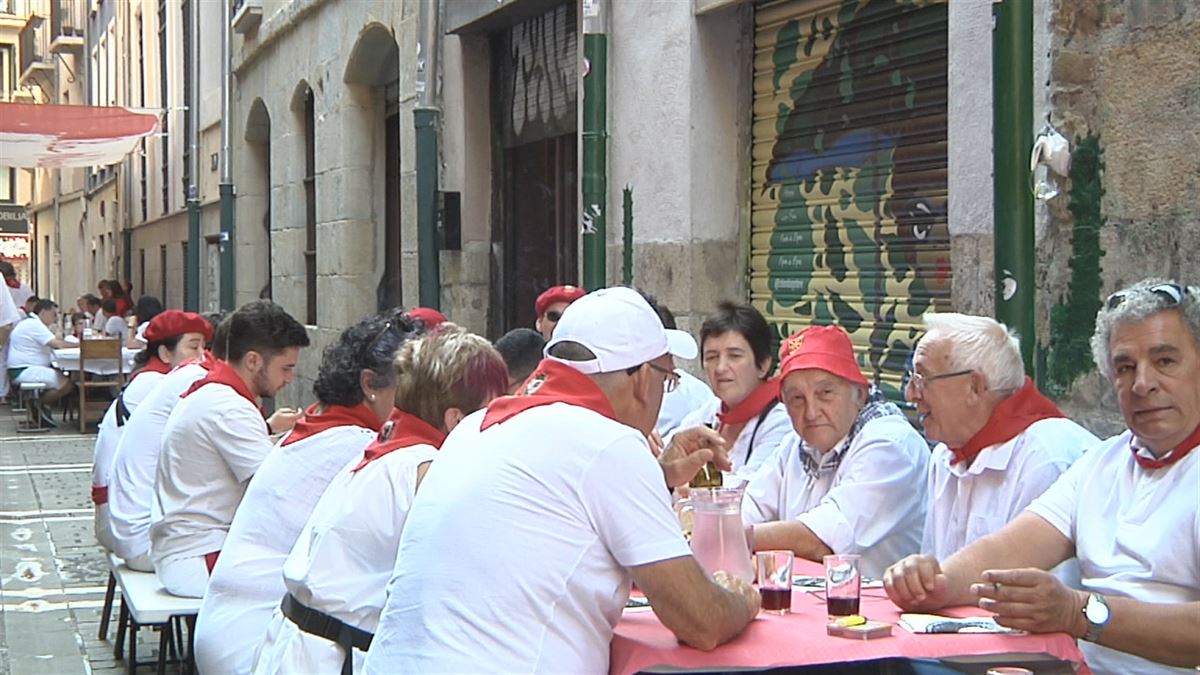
283,420
1032,600
916,583
745,592
689,450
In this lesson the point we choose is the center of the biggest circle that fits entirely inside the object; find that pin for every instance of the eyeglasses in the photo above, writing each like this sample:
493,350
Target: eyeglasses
918,381
553,316
671,383
1172,293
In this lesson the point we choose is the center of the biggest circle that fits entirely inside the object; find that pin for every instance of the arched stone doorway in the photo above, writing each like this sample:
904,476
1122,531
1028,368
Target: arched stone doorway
255,238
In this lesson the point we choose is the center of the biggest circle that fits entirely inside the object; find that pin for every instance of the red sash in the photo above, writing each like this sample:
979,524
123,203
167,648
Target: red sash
752,406
1177,453
1014,415
402,430
154,365
551,382
99,494
315,422
223,373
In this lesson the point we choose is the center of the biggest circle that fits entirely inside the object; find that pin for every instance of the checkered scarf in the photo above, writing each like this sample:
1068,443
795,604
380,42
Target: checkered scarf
876,406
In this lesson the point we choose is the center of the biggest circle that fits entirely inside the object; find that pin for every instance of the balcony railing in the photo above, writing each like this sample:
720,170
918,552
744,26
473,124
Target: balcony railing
247,14
35,48
67,21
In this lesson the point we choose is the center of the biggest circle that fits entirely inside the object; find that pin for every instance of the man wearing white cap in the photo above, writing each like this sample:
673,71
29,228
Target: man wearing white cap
541,509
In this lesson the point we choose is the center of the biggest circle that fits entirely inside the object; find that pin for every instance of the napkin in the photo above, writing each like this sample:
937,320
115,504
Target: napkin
934,623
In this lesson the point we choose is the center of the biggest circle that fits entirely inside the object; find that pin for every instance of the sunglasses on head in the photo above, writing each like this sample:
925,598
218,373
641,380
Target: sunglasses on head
1172,293
553,316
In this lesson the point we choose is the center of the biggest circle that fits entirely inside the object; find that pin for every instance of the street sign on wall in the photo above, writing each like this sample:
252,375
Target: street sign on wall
13,220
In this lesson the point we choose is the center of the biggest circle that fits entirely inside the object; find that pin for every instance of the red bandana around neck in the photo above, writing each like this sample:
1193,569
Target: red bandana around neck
154,365
223,373
752,406
12,283
401,430
551,382
1014,415
1177,453
314,423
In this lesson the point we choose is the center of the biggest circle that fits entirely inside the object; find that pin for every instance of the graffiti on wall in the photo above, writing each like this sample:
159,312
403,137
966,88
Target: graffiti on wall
849,199
538,73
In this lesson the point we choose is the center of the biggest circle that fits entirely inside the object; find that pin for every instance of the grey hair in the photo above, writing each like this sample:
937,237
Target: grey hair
982,344
1140,304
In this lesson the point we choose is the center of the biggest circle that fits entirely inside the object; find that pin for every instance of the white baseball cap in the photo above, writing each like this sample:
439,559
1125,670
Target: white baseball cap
621,329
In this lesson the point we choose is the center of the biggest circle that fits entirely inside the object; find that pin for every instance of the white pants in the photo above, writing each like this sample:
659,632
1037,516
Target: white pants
140,563
103,528
185,577
46,375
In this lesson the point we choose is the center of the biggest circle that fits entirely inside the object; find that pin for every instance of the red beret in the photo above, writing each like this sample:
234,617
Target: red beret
825,348
567,294
173,322
430,317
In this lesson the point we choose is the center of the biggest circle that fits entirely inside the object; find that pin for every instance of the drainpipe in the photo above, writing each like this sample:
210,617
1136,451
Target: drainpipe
228,273
425,119
1012,108
595,143
127,165
192,282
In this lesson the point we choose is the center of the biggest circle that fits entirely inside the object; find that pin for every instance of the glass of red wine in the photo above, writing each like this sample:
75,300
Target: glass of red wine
775,580
843,585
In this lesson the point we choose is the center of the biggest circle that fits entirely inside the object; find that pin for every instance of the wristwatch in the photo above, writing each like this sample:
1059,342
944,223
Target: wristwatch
1097,614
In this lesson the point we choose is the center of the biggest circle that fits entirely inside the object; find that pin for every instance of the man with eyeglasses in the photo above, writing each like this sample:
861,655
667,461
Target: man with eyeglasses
1000,442
550,306
852,477
540,510
1129,510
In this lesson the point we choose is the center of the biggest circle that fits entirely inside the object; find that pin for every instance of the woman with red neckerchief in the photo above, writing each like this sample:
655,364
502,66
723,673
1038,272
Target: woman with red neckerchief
735,348
337,574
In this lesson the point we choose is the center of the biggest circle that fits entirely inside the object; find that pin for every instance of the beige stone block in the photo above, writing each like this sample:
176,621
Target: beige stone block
347,247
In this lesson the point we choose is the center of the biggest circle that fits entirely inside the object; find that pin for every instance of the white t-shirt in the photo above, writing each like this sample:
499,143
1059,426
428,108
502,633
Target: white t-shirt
691,395
99,321
134,465
1136,534
9,311
344,558
966,503
213,443
872,502
115,326
757,441
29,344
247,584
109,434
21,294
516,553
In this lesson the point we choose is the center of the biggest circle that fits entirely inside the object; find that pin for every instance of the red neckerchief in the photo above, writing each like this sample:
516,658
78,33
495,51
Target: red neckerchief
99,494
223,373
315,422
12,283
154,365
551,382
1014,415
1177,453
402,430
752,406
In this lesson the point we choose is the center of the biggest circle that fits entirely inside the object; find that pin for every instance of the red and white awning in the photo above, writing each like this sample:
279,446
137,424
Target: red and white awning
56,136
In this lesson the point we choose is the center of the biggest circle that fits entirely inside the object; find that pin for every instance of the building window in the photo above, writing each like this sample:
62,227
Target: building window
162,273
143,162
164,158
310,208
7,71
8,185
142,270
183,280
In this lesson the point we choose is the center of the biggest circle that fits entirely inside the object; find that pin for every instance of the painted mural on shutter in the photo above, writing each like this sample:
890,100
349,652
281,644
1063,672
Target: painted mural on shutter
848,220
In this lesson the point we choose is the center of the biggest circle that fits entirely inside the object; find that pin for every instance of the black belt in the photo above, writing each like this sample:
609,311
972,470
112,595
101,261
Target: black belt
319,623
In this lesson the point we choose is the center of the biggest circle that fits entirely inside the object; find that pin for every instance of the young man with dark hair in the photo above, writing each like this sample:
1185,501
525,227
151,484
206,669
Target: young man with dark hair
521,349
215,440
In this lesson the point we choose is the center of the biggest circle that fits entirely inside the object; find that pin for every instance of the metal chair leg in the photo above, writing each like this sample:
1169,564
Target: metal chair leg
122,626
164,638
106,613
131,662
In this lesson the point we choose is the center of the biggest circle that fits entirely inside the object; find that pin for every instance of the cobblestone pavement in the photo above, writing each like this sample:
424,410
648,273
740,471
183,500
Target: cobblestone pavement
52,572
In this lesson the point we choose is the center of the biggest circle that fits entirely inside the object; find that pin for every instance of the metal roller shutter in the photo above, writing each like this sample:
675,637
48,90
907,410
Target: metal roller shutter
848,219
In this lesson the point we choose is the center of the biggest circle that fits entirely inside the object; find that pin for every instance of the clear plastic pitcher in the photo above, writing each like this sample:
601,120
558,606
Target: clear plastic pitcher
718,536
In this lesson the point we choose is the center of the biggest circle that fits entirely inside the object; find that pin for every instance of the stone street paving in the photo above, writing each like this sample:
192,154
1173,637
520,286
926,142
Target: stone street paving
52,572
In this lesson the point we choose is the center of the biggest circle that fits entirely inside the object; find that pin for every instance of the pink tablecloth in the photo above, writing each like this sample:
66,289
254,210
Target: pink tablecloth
797,639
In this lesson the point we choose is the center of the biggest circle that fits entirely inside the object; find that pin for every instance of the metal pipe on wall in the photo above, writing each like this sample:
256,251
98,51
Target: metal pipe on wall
228,224
425,121
1012,105
595,144
192,286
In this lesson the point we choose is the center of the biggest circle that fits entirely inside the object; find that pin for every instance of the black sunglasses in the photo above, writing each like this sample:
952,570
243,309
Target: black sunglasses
1172,293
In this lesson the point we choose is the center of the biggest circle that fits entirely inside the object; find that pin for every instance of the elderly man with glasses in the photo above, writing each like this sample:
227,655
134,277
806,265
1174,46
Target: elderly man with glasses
1129,510
1000,443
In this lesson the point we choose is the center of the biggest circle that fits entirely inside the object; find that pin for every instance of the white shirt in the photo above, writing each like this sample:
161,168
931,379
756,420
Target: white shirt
1136,534
21,294
691,395
516,553
115,326
213,443
134,465
99,320
757,441
344,558
247,583
872,503
29,344
966,503
9,312
109,434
